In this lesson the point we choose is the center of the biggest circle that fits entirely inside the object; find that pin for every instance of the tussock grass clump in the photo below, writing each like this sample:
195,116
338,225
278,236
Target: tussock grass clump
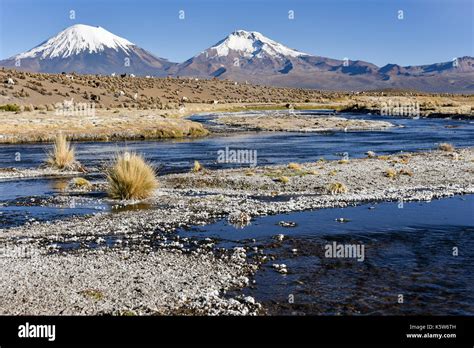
383,158
249,172
80,183
390,173
283,179
62,156
197,167
294,166
337,188
446,147
130,177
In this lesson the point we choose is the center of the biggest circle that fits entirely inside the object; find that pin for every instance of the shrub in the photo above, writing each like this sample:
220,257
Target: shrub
249,172
28,107
10,107
62,156
80,183
390,173
197,167
446,147
283,179
336,188
294,166
130,177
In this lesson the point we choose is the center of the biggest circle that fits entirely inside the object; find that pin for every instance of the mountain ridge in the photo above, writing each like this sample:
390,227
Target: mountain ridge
241,56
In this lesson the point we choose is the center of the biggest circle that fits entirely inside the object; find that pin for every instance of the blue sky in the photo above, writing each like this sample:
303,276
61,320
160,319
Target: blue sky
431,31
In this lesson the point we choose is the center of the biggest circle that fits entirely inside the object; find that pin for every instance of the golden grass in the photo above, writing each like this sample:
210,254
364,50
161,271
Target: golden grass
390,173
283,179
130,177
446,147
294,166
249,172
197,167
62,156
336,188
81,183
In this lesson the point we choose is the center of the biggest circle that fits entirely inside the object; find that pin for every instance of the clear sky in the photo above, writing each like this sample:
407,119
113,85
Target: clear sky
431,31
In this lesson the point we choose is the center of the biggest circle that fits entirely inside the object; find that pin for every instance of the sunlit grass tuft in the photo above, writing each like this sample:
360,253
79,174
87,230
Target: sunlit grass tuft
197,167
80,183
337,188
390,173
283,179
62,156
131,177
294,166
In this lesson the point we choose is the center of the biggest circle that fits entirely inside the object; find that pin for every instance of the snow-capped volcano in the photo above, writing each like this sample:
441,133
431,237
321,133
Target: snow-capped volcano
252,44
240,56
242,53
86,49
78,39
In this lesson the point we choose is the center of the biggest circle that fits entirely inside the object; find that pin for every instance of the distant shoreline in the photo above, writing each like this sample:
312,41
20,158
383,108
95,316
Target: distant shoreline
35,107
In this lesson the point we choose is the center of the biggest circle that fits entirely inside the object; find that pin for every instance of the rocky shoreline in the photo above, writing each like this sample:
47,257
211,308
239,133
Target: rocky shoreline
133,262
25,173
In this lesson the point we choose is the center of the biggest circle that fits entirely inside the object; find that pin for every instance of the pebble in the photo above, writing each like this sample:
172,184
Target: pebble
287,224
281,268
279,237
